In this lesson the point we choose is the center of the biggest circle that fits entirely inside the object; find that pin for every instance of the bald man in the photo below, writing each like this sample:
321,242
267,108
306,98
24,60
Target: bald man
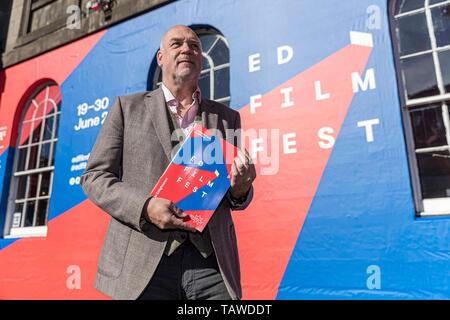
149,252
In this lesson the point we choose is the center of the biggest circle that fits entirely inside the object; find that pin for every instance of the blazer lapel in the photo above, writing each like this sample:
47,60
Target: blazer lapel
156,106
209,115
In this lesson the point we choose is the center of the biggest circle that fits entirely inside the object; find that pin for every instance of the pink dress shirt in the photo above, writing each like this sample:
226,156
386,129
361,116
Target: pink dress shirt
187,121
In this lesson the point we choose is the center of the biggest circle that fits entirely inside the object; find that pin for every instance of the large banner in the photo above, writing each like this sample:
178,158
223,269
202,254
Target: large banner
315,84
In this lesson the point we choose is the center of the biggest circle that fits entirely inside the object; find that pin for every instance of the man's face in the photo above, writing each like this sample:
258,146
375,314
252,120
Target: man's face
180,57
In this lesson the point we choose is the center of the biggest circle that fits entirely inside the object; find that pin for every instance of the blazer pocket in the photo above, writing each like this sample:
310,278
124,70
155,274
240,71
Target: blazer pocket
112,255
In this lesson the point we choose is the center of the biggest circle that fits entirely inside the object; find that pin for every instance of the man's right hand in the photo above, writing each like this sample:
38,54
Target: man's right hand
165,215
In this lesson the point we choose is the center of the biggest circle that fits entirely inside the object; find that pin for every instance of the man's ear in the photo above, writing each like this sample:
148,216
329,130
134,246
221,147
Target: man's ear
159,57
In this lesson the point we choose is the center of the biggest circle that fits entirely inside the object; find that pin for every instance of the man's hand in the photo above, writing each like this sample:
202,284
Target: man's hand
164,214
243,173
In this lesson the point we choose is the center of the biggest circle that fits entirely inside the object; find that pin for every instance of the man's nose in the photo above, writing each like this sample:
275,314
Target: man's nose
185,47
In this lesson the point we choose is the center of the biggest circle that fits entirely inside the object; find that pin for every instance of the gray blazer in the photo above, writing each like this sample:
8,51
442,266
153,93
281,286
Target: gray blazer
131,152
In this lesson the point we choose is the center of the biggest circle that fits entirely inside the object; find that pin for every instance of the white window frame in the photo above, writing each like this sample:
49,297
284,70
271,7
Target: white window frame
34,230
212,67
424,206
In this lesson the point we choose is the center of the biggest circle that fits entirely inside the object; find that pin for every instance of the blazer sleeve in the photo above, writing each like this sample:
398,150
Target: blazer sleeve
242,203
101,180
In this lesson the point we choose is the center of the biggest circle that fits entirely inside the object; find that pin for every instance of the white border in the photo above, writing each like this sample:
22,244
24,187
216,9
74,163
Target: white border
27,232
436,207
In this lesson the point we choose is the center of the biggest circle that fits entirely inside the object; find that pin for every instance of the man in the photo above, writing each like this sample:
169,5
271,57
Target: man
149,251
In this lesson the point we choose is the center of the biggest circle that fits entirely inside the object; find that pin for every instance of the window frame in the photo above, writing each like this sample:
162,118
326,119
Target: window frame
214,68
424,207
35,230
25,36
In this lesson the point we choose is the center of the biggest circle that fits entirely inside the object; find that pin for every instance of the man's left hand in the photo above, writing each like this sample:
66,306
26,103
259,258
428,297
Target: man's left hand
243,173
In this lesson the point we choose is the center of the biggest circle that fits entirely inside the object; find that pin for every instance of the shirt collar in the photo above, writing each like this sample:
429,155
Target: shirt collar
171,100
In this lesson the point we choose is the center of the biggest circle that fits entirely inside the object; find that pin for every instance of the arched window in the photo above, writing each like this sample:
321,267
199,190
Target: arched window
422,44
31,183
214,79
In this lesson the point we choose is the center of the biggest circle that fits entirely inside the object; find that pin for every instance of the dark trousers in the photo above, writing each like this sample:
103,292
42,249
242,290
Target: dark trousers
186,275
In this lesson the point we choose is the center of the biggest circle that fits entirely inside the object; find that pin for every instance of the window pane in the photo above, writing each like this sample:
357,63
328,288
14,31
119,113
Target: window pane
37,130
52,159
205,64
25,134
18,207
402,6
428,127
45,151
413,34
204,84
22,159
42,212
48,128
444,58
56,125
45,184
207,40
420,76
32,185
434,170
22,187
221,83
29,214
441,24
32,159
219,53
